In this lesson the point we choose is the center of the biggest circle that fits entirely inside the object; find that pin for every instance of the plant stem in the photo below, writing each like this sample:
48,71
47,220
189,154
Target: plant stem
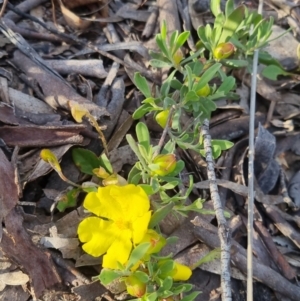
223,230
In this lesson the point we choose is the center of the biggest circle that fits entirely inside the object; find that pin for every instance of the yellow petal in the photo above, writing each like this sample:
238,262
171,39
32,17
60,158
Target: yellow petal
119,251
140,226
102,204
182,272
133,200
97,234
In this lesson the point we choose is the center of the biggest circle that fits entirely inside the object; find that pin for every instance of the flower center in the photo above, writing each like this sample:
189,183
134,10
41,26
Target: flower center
123,224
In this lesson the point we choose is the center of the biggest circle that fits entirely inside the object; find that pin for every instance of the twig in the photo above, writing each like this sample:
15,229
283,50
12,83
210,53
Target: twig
223,230
164,134
251,172
3,8
168,124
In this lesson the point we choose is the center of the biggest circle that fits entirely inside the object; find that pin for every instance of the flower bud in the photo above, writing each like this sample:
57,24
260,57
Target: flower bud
203,91
223,51
162,118
177,57
165,164
181,272
157,241
135,287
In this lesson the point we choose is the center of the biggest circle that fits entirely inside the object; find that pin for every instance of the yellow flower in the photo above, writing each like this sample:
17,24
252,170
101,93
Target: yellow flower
126,214
181,272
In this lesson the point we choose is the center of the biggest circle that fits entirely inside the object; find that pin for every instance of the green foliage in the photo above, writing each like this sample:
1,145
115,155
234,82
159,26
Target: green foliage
68,199
85,160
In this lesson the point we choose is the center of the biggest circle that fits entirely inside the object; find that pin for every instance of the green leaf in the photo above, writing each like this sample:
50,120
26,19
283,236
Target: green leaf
159,64
170,185
191,96
273,71
232,23
169,148
181,40
215,7
165,87
141,111
227,85
107,276
216,151
85,160
105,163
160,214
142,84
267,59
176,84
161,43
134,147
143,277
207,76
68,200
163,30
223,144
134,176
143,135
137,254
147,188
211,256
192,296
229,8
173,39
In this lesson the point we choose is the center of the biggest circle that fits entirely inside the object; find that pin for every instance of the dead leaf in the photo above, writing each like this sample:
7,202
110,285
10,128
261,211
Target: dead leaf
72,19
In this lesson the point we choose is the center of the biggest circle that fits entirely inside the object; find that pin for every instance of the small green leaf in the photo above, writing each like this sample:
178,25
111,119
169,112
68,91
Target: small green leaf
232,23
211,256
159,64
147,188
143,135
107,276
216,151
215,7
223,144
163,30
85,160
137,254
207,76
142,84
192,296
161,43
165,87
229,8
134,176
181,40
141,111
105,163
68,200
160,214
273,71
143,277
227,85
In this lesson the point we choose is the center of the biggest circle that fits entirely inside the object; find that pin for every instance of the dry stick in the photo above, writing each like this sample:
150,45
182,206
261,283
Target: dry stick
74,39
250,229
223,229
3,8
